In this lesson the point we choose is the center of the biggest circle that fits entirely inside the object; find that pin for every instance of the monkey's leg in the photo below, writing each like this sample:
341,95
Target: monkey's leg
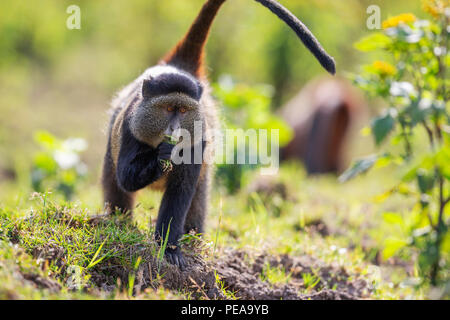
196,215
114,196
175,204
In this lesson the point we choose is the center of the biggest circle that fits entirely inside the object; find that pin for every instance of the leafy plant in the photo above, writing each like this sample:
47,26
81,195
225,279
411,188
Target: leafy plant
167,164
310,281
414,85
58,164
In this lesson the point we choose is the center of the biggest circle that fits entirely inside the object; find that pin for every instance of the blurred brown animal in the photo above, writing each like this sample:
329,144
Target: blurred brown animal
321,116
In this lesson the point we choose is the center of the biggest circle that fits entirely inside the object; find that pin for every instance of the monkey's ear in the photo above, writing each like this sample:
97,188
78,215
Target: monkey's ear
146,88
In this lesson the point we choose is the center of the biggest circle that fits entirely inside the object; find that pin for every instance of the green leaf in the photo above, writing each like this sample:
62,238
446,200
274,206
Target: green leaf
383,162
410,174
46,139
443,161
425,180
373,42
382,126
45,162
418,111
93,261
359,166
393,218
391,246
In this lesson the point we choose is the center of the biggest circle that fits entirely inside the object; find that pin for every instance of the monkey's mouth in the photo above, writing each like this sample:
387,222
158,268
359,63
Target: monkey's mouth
170,138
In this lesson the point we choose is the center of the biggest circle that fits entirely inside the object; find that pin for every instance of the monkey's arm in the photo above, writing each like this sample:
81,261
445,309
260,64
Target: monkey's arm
138,164
181,186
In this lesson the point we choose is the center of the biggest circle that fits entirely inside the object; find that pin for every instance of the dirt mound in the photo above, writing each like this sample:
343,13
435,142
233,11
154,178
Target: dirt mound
42,282
199,279
239,271
138,263
267,186
244,278
315,226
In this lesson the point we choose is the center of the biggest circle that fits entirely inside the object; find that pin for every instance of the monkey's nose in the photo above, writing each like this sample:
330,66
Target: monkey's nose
174,127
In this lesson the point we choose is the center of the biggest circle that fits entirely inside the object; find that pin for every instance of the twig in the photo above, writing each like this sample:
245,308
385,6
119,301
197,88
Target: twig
442,204
430,133
198,287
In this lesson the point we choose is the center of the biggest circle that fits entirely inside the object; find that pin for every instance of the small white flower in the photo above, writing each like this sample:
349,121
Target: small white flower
439,51
421,23
75,144
425,103
402,89
414,37
66,160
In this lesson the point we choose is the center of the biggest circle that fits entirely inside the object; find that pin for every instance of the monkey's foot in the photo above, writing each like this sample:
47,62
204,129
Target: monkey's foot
175,257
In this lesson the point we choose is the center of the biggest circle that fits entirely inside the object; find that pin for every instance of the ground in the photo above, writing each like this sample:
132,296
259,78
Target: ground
284,237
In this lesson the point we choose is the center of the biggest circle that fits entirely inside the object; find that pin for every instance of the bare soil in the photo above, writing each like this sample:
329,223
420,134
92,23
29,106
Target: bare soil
244,278
233,274
240,272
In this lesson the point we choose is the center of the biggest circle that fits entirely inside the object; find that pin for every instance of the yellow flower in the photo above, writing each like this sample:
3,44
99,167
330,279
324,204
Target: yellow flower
435,7
395,21
384,68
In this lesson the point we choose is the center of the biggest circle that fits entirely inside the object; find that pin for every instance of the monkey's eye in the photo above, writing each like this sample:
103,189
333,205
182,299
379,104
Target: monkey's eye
171,109
183,110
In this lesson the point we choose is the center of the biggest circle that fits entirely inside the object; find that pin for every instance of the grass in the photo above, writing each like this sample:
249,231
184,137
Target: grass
274,275
91,257
310,280
76,249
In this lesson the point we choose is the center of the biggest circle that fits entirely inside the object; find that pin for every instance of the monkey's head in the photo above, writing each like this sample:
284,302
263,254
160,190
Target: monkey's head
170,101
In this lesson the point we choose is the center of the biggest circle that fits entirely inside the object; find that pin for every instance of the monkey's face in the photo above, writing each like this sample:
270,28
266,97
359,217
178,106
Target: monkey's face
170,101
155,117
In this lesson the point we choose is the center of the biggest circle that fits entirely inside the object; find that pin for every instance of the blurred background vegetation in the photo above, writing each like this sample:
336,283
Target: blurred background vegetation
62,80
56,85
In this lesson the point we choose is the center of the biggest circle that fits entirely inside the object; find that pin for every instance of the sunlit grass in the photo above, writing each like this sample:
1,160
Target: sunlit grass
353,237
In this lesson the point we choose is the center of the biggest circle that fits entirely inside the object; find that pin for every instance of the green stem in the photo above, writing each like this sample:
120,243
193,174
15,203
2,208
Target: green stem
408,148
429,133
439,230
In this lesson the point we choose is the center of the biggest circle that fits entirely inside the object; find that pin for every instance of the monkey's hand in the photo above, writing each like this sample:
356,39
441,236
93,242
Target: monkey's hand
164,153
144,168
175,256
173,252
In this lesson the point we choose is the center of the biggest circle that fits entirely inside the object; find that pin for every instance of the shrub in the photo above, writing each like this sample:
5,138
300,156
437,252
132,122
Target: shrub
57,165
413,83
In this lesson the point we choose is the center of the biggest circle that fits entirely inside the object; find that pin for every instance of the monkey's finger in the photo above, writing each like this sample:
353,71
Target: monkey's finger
176,260
182,263
165,150
169,258
165,155
179,261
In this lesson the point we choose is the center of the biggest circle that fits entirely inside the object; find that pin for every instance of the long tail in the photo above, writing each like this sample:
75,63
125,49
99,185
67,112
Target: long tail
189,54
308,39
